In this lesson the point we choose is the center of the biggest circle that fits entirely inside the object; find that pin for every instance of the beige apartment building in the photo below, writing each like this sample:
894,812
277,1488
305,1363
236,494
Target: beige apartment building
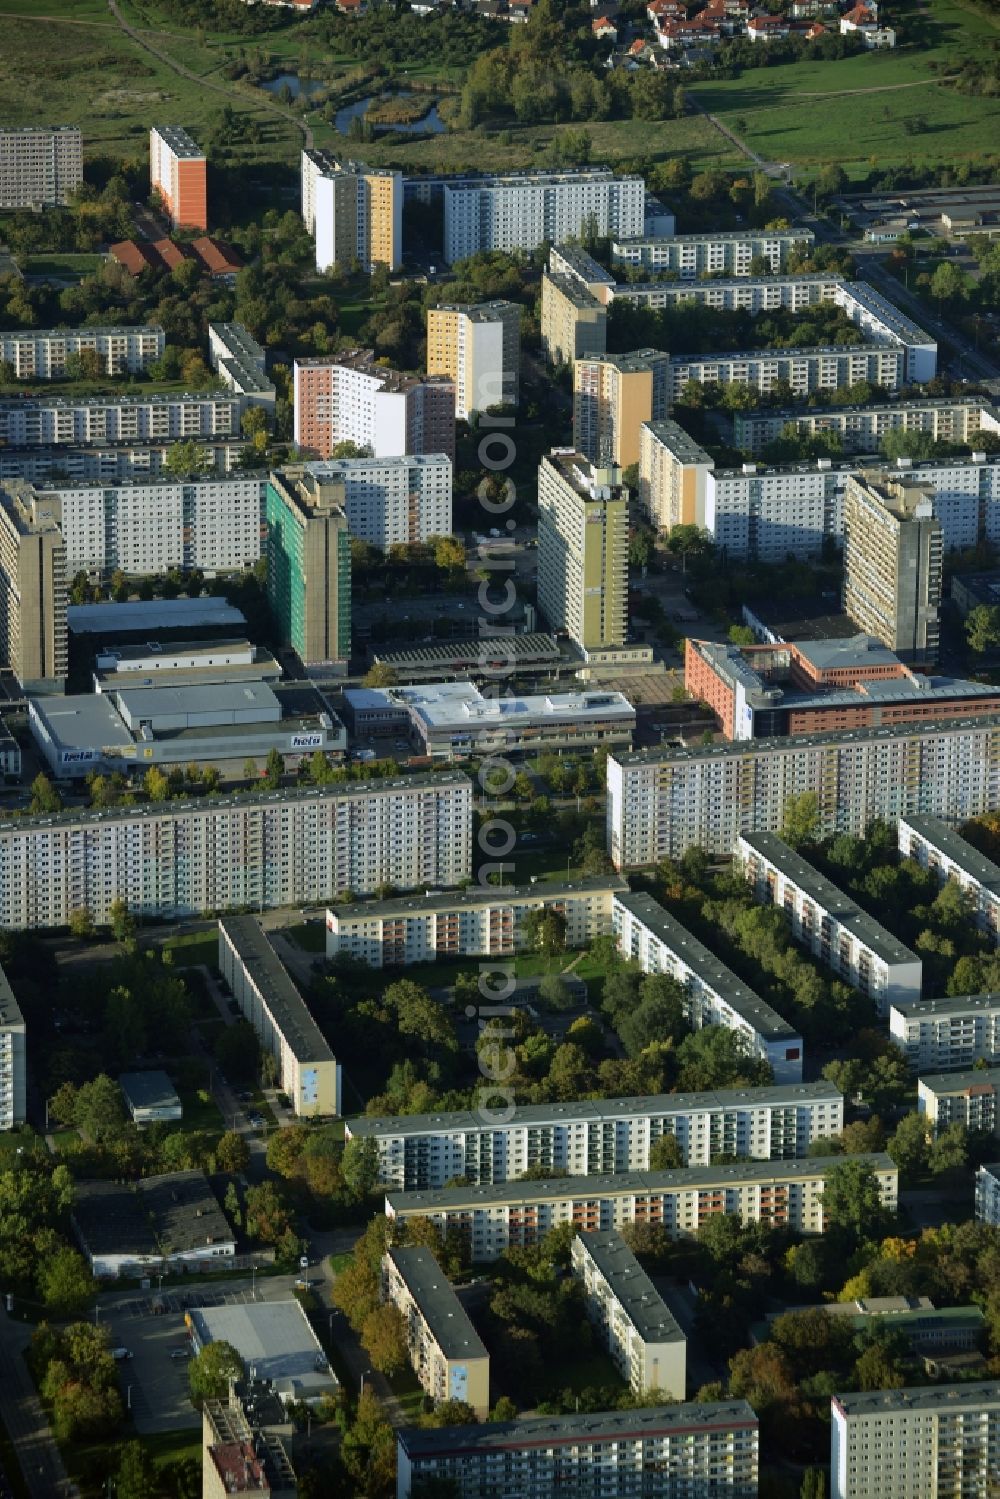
893,552
574,323
583,549
613,394
632,1321
353,211
446,1352
478,347
673,475
33,635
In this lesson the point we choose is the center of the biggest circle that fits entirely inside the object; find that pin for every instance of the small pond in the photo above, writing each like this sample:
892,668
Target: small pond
431,121
297,86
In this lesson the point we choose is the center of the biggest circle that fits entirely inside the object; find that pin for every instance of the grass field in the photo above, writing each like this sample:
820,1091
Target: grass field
62,267
194,949
855,111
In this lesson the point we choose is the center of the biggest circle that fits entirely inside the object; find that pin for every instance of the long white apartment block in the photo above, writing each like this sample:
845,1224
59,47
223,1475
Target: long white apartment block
988,1194
860,428
13,1062
523,210
241,364
662,802
41,354
829,923
262,848
308,1072
418,1152
39,164
212,523
647,1346
483,921
955,1031
115,463
665,1452
49,421
935,1442
968,1098
949,856
715,996
446,1353
822,367
493,1219
390,501
728,252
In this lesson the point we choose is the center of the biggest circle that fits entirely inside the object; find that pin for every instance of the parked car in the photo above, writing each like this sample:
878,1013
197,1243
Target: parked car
120,1354
180,1353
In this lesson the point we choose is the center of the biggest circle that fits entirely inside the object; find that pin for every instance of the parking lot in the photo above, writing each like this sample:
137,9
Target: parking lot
153,1383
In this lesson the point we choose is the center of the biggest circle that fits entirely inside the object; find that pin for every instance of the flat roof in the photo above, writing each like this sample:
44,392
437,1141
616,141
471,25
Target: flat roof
273,1338
900,469
178,1209
726,236
214,697
158,398
810,351
956,848
656,755
461,705
179,806
10,1011
826,894
949,1004
582,264
976,1080
758,1014
149,1090
623,1184
476,652
87,718
291,1014
636,361
928,403
99,330
156,614
475,896
440,1308
937,1400
573,289
863,294
834,654
335,468
596,1426
632,1288
680,443
599,1111
177,138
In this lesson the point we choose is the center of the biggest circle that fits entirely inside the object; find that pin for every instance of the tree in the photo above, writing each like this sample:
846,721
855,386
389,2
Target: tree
99,1110
121,921
233,1153
187,458
949,1148
44,797
155,784
948,283
761,1375
136,1477
210,1372
852,1201
908,1146
268,1216
64,1282
237,1051
379,674
660,1017
81,923
665,1154
545,931
554,992
384,1337
274,769
360,1166
982,627
716,1057
800,819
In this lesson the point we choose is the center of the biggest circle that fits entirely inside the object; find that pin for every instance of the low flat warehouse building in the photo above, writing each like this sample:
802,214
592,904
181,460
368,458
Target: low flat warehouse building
829,923
481,921
643,1338
273,1338
715,996
954,1031
446,1352
308,1071
968,1098
150,1097
588,1137
164,1223
453,720
492,1219
948,856
534,653
661,1453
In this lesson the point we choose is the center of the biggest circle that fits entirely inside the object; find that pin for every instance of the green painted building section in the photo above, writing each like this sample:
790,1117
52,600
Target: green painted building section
309,566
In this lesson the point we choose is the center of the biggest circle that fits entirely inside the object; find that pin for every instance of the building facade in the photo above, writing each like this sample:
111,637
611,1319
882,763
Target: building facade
832,367
350,398
664,801
281,848
730,253
493,1219
613,394
968,1098
309,567
673,473
574,323
948,856
860,428
241,364
952,1032
41,354
988,1194
478,348
893,553
353,211
40,165
659,1453
583,549
523,210
33,591
308,1072
418,1152
715,996
391,501
483,921
54,421
13,1059
644,1340
829,923
178,171
446,1352
52,467
936,1441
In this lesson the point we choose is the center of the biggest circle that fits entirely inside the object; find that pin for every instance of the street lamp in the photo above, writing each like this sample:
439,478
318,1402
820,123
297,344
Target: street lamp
253,1283
128,1397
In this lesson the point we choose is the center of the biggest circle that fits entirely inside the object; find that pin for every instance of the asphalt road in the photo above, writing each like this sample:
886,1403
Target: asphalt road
24,1419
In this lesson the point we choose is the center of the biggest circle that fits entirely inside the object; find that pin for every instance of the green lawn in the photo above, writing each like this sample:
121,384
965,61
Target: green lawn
194,950
594,1369
309,935
200,1113
855,111
406,1388
62,267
